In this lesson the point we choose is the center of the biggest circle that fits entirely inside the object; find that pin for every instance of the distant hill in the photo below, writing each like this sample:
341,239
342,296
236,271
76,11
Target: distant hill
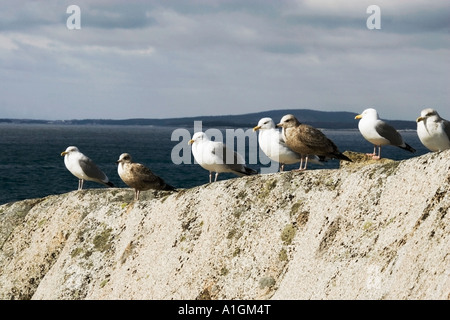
319,119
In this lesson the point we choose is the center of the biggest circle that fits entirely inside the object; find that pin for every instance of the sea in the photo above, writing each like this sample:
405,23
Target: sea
31,165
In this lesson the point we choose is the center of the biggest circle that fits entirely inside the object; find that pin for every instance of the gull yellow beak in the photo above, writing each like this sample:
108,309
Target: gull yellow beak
420,119
358,116
191,141
64,153
256,128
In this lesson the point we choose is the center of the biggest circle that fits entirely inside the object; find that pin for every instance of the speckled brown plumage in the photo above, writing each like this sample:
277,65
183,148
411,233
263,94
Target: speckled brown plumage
307,140
139,177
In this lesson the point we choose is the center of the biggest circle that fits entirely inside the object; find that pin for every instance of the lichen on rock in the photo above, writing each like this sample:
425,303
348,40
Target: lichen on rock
369,230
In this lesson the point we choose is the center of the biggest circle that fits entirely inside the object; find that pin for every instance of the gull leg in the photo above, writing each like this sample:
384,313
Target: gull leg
301,168
217,174
136,194
301,164
80,184
306,162
374,152
281,167
377,157
210,176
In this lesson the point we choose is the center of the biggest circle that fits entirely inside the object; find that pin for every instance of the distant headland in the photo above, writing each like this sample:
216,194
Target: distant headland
319,119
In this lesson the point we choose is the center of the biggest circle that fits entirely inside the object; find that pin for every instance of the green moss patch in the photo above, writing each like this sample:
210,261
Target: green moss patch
102,241
288,234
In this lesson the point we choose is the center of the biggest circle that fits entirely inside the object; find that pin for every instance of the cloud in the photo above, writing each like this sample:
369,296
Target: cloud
186,58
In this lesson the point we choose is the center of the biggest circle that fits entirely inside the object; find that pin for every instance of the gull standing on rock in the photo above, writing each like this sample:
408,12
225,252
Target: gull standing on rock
379,133
214,156
83,168
307,140
273,145
433,131
139,177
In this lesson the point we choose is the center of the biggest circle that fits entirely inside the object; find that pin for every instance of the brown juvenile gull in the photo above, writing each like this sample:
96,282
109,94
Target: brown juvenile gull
214,156
83,168
273,145
307,140
139,177
433,131
379,133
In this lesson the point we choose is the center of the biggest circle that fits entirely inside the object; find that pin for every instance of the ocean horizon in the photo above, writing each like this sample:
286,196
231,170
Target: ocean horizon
31,165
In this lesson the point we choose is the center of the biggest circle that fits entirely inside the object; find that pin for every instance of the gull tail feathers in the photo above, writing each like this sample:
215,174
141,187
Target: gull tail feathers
168,187
341,156
249,171
407,147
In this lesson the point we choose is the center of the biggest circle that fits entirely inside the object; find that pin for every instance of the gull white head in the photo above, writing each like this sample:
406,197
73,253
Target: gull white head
369,113
265,123
198,136
428,113
69,150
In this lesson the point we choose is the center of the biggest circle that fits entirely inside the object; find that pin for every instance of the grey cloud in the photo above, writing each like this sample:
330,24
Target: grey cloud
181,58
123,16
422,21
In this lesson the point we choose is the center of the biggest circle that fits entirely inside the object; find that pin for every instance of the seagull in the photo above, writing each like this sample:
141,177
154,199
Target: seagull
214,156
379,133
273,145
83,168
305,140
138,176
433,131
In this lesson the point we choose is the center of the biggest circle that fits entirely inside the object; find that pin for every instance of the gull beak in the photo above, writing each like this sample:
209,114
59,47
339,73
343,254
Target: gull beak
420,119
256,128
359,116
191,141
63,153
279,125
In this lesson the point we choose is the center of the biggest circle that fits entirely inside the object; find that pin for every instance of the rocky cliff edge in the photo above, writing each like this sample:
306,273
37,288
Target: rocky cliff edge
368,230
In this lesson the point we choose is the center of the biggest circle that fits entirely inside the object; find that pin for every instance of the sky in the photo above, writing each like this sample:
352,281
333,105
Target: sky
183,58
